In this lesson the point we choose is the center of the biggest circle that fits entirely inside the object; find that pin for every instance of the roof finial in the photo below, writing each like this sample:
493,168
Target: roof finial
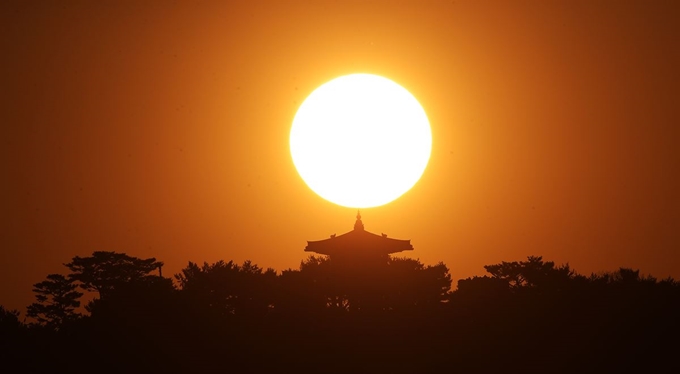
358,225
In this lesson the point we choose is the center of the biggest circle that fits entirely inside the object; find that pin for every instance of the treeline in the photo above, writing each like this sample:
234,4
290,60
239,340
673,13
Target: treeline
393,315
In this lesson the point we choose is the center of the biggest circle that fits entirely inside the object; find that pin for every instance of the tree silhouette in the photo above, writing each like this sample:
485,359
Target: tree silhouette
411,284
9,321
397,284
483,289
225,288
57,300
305,291
141,299
330,282
104,271
13,339
340,315
533,273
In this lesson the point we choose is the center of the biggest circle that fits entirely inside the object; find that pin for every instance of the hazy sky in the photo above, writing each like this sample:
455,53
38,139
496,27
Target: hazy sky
161,129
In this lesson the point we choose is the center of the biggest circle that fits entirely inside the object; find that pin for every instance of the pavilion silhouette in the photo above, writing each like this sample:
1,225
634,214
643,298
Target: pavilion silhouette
358,244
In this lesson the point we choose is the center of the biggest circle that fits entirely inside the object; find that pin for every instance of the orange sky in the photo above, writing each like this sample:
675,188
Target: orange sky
161,129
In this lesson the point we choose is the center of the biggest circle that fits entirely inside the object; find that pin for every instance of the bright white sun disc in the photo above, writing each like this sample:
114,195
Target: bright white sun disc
360,141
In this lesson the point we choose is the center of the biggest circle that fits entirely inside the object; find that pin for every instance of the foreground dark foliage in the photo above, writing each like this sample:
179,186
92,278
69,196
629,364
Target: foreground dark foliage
399,316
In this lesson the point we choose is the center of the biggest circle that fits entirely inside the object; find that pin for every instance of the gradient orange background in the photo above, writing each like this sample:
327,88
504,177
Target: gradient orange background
161,129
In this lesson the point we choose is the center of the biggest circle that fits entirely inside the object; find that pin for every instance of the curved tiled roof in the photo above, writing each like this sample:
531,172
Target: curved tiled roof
358,241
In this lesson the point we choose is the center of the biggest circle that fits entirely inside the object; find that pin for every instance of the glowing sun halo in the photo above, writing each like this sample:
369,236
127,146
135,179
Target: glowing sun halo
360,141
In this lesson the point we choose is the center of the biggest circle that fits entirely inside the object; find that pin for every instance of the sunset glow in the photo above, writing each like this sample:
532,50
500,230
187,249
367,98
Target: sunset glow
174,130
360,141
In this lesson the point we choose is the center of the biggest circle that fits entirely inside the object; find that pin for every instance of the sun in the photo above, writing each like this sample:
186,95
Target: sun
360,140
